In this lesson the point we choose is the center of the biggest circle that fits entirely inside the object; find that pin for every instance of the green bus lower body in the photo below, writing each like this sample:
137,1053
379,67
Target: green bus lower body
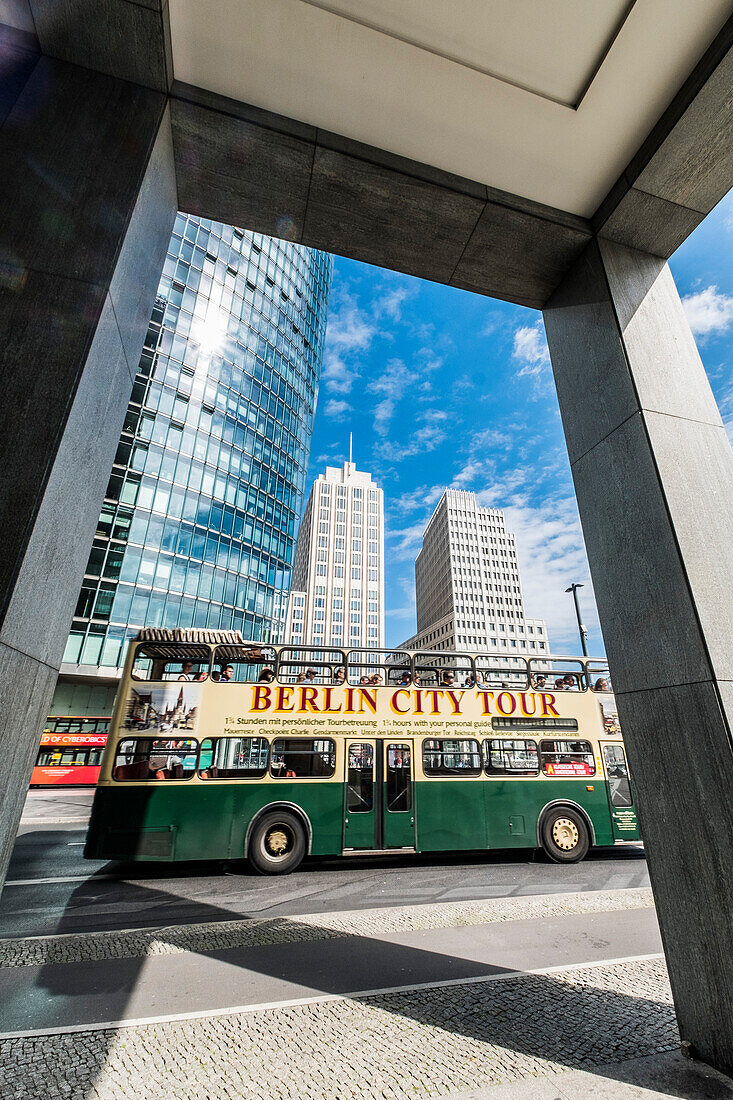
198,821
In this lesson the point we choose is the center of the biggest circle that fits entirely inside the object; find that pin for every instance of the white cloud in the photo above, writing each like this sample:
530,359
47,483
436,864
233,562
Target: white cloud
337,375
425,496
337,409
383,413
427,361
493,323
391,385
349,327
405,542
468,475
407,610
709,312
349,335
392,301
392,381
530,350
421,441
551,556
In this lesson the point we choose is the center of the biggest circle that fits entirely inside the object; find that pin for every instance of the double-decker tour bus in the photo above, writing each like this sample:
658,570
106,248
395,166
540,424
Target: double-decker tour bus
70,752
223,749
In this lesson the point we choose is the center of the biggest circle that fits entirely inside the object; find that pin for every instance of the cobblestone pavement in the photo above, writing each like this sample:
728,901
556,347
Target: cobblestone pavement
223,935
424,1043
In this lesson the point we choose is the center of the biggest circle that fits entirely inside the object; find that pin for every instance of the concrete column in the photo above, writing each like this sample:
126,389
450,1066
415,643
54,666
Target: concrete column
88,198
653,474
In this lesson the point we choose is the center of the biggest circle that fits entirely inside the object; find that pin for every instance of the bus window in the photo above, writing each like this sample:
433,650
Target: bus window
158,661
599,676
303,758
376,666
233,758
618,775
444,669
506,672
567,758
399,778
360,779
243,664
297,664
143,758
558,674
511,757
446,756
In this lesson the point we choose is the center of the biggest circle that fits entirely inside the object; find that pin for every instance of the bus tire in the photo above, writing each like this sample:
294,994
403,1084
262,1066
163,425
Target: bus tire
565,835
277,844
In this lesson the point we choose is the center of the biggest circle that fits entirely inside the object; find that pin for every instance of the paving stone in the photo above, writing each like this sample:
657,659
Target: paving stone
225,935
429,1043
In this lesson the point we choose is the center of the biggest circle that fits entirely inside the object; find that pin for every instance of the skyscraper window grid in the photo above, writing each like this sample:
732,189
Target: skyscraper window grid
200,514
468,587
337,595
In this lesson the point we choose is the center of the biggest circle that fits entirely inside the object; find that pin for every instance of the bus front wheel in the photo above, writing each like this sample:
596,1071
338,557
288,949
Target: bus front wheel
277,844
564,834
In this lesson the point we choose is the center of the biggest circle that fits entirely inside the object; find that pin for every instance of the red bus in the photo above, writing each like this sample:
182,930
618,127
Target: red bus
71,752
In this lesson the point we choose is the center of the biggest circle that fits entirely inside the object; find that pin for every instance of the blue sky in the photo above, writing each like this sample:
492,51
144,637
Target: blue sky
445,388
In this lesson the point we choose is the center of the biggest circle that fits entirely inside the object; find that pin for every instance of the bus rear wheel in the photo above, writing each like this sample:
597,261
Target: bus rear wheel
277,844
564,834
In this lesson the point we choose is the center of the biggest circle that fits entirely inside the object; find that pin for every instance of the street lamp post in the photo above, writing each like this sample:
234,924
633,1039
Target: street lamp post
583,632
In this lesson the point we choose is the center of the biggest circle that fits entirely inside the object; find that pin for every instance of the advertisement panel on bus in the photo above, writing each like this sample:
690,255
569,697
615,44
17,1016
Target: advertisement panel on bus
69,759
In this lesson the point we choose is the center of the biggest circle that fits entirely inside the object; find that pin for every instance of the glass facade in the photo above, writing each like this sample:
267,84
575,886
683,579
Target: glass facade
200,515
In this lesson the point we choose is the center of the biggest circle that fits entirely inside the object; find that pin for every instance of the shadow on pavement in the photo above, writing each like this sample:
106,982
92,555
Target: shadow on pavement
571,1022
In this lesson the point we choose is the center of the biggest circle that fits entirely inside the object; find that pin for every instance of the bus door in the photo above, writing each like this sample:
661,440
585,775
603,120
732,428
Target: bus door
379,795
362,797
399,794
620,792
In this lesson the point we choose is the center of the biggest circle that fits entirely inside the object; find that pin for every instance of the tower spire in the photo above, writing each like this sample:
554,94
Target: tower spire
351,446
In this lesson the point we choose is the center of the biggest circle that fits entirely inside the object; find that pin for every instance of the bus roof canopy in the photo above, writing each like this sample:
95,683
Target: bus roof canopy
188,637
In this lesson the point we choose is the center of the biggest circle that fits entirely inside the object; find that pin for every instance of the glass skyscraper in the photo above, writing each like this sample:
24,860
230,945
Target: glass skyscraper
200,515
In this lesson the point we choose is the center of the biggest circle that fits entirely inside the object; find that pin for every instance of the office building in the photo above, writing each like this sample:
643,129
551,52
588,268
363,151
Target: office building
200,515
467,585
337,595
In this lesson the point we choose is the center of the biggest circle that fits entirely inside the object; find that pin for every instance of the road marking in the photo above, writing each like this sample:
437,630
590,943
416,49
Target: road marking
65,878
54,821
326,998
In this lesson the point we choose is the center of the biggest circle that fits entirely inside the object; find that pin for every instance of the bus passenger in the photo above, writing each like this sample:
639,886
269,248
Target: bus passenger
447,678
265,677
569,681
601,684
538,680
560,684
306,677
406,679
339,676
186,671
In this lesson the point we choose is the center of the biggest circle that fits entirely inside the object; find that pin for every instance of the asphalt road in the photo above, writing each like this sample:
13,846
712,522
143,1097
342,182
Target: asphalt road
51,888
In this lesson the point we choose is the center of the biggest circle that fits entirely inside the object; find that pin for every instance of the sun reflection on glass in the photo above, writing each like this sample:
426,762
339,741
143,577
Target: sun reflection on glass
210,332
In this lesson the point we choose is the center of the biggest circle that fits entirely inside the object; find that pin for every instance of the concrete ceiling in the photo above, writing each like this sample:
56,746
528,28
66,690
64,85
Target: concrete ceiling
548,101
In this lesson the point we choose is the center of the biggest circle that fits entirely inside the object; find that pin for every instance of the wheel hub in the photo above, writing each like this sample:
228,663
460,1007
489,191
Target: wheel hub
565,833
276,841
